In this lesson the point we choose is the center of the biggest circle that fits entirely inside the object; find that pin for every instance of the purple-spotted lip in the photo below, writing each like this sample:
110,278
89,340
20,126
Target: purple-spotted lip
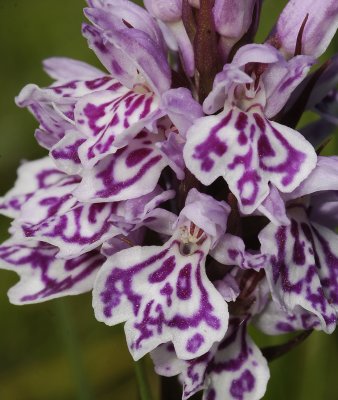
175,278
303,264
249,152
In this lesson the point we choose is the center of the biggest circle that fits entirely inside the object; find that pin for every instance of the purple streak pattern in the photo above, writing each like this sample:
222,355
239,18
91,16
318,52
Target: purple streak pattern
53,215
178,188
32,176
65,153
248,151
275,321
131,172
111,120
297,267
76,231
162,296
231,251
45,277
233,369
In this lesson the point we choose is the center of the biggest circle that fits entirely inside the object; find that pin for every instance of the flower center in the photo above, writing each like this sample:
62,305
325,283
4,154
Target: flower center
141,88
250,96
191,238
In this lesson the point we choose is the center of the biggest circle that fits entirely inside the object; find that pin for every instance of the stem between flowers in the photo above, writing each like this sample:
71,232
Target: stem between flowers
142,381
206,52
189,182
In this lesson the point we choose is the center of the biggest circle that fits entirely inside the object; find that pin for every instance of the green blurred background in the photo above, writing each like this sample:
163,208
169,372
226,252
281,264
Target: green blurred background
57,350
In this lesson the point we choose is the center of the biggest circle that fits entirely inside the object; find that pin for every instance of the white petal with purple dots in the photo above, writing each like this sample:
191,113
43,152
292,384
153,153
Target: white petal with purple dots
298,256
248,151
131,172
32,176
111,120
43,276
163,295
233,369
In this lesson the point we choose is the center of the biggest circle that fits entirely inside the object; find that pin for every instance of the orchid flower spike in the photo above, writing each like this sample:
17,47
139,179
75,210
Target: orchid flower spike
178,188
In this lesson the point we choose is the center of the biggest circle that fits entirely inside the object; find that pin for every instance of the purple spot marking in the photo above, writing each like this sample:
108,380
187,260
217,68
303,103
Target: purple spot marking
93,113
116,68
137,156
288,82
245,383
284,327
42,258
43,176
241,122
120,284
330,282
280,271
291,165
183,288
100,82
162,273
69,152
234,364
59,224
112,186
195,343
94,37
279,267
212,144
233,254
167,291
299,257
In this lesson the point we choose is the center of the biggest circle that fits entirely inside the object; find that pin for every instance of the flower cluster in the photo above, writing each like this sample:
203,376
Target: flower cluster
181,193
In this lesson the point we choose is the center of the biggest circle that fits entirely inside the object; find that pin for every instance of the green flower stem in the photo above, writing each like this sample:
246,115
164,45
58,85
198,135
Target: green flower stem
273,352
143,385
73,350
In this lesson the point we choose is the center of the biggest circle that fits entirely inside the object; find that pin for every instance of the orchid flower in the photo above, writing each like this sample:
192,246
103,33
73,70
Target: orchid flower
234,367
303,262
240,143
53,215
181,305
178,189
